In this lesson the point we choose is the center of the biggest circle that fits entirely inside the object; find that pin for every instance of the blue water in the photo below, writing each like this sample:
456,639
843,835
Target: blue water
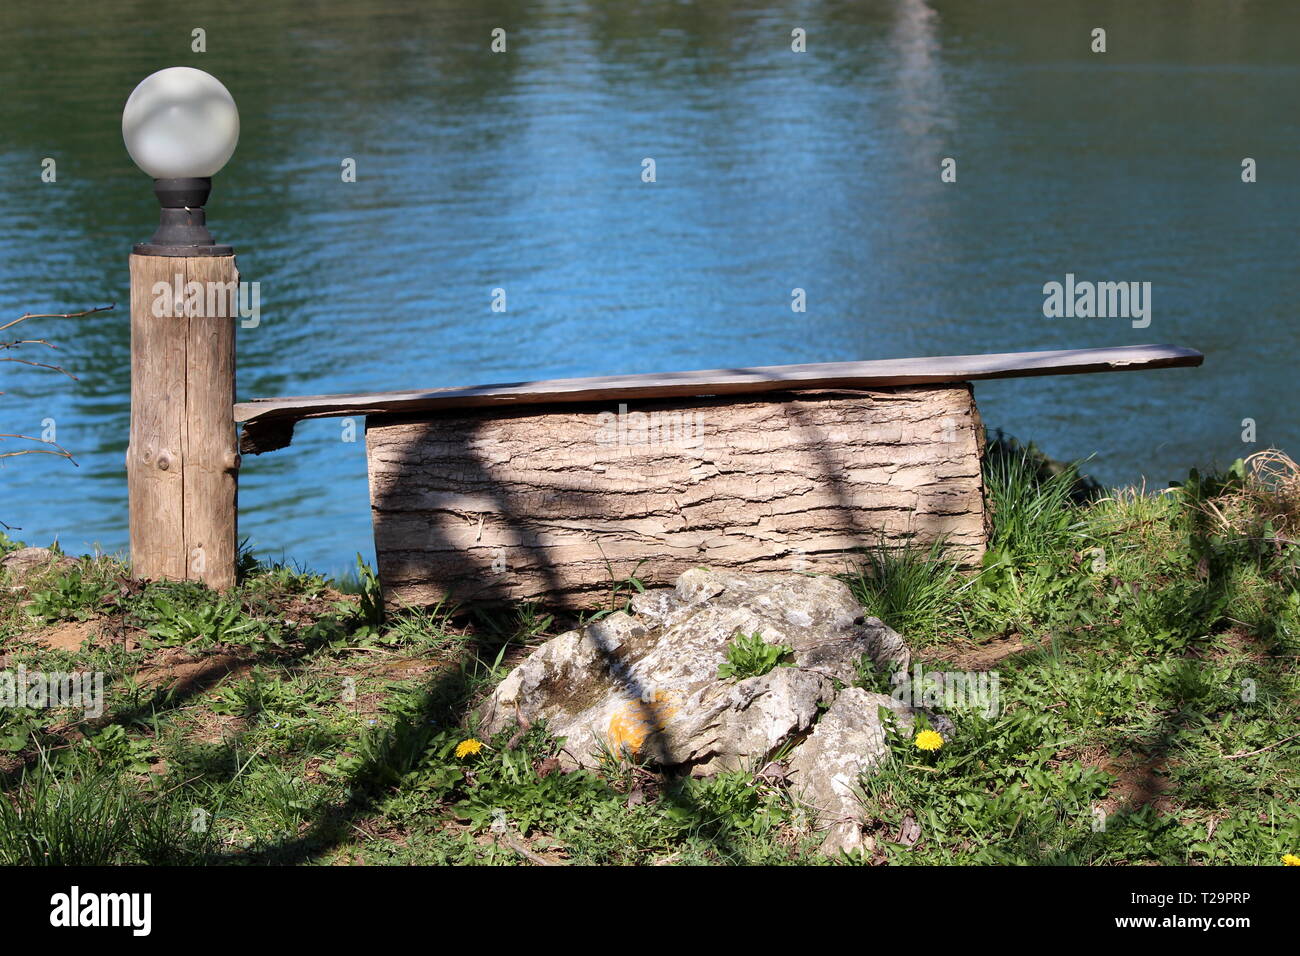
775,171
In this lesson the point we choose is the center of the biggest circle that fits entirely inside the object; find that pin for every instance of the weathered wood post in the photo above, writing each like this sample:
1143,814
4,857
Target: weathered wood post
182,461
180,126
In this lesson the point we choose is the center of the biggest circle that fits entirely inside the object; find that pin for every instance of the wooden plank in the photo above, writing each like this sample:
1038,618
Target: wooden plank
269,422
558,502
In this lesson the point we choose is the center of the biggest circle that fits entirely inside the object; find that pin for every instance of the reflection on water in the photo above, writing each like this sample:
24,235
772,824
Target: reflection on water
775,171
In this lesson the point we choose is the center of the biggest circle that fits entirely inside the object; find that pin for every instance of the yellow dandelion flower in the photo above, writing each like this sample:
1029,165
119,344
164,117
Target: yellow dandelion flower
467,747
928,740
1291,860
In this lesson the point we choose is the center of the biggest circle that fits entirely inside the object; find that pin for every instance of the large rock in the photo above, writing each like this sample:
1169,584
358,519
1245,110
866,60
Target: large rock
645,685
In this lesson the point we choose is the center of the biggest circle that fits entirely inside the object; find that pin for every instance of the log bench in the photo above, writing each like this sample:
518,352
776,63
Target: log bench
556,491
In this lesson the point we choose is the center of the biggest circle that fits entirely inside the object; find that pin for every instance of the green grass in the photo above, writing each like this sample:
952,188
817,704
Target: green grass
913,587
1145,652
1156,651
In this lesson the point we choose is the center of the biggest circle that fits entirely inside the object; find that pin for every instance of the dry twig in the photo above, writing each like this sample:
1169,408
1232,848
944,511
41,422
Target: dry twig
1276,743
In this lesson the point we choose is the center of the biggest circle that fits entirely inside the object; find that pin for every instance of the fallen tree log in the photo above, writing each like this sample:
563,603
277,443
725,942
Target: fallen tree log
561,503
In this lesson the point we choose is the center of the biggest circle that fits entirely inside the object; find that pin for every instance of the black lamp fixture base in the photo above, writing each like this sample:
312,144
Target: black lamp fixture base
182,227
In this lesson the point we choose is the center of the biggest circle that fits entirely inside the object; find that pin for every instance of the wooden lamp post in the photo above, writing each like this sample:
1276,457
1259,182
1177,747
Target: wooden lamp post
181,126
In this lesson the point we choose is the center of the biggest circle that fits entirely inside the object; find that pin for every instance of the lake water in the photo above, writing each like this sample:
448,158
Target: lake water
775,170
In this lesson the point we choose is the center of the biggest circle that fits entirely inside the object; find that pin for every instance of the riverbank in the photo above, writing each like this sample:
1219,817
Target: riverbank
1144,645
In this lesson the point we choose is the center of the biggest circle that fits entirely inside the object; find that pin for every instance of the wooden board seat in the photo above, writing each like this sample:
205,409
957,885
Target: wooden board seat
268,422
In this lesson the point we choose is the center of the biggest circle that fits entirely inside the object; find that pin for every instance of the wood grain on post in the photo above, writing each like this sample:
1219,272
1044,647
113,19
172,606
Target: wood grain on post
560,502
182,461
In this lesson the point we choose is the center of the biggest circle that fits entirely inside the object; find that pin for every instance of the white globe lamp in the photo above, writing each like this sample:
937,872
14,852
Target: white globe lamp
181,126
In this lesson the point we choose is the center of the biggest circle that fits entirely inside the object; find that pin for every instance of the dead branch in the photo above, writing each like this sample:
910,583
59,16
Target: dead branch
54,448
38,451
53,368
57,449
57,315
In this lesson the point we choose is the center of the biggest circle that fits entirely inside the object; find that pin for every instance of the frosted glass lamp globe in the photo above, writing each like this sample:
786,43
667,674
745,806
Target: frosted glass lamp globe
180,123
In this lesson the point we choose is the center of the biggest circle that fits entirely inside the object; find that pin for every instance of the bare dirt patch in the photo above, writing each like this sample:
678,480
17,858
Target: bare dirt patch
64,636
1139,781
980,657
